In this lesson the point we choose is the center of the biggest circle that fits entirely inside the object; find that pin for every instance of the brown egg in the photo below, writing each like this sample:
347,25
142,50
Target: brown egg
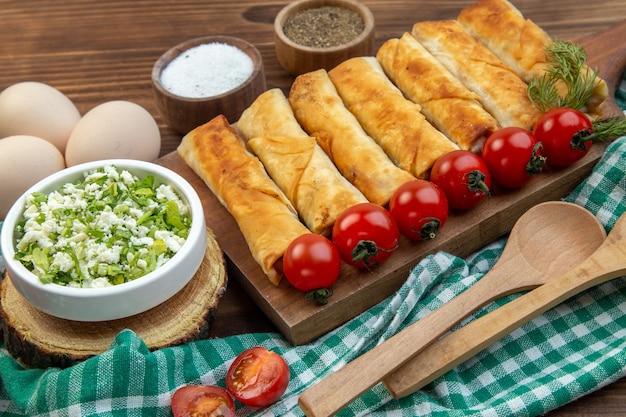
24,160
114,130
37,109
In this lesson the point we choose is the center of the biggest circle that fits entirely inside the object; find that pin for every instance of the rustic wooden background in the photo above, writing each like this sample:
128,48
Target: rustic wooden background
96,51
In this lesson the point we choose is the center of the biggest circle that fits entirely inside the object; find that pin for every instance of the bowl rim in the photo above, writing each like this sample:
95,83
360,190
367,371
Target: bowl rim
172,53
355,5
163,174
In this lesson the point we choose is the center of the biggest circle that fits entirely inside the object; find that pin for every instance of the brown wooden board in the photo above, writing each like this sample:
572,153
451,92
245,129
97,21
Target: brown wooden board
301,321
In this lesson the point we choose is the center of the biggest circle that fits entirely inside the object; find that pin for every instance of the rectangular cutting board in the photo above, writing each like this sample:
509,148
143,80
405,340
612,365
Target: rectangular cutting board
301,321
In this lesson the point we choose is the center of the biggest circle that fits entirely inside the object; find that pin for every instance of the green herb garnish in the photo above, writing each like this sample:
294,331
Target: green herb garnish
109,228
566,82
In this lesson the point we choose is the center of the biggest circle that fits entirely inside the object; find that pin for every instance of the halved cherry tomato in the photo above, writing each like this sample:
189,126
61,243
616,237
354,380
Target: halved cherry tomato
365,235
202,400
420,208
565,134
463,177
258,377
312,264
513,155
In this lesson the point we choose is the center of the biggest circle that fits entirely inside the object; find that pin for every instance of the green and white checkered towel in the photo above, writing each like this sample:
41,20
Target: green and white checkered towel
562,355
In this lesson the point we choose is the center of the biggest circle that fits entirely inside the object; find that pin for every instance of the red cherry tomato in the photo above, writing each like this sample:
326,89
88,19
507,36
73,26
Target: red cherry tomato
257,377
202,400
420,208
463,177
565,135
365,235
312,264
513,155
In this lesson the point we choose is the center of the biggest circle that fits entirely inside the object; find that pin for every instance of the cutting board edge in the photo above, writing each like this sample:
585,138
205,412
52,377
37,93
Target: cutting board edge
303,322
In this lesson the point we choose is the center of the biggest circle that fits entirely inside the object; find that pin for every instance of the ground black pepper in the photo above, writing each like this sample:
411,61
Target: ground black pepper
323,27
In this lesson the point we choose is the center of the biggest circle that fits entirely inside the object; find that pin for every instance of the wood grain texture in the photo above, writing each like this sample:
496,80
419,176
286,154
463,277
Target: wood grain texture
95,51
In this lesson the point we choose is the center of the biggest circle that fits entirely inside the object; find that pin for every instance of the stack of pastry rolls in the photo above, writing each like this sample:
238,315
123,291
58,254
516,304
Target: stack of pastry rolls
294,161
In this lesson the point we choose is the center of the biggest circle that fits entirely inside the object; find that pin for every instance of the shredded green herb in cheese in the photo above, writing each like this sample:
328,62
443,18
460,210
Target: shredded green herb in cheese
109,228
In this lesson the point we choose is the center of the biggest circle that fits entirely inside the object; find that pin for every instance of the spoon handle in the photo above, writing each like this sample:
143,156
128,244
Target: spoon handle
460,345
337,390
340,388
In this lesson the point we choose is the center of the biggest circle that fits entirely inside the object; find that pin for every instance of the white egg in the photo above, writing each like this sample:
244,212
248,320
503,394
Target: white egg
24,160
37,109
115,129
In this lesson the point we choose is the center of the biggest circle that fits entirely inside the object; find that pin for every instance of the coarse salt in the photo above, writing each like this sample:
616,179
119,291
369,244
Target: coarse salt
207,70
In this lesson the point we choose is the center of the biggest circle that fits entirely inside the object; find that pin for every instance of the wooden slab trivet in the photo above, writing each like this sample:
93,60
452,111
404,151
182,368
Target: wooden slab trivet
41,340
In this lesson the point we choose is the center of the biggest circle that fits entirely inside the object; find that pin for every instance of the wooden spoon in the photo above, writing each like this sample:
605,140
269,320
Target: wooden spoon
458,346
548,240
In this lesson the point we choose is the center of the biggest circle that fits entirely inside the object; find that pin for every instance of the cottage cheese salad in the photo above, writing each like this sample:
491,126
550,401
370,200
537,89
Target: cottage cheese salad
109,228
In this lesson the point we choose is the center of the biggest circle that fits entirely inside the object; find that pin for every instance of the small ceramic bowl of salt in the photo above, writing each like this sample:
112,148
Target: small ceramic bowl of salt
205,77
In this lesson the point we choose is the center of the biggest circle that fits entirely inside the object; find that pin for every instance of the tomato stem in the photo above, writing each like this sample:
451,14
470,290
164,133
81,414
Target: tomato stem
430,229
476,182
364,250
537,160
320,295
580,139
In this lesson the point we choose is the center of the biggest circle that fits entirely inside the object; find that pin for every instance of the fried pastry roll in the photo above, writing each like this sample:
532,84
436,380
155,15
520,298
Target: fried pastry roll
502,92
270,115
447,104
321,112
266,218
393,121
296,162
518,41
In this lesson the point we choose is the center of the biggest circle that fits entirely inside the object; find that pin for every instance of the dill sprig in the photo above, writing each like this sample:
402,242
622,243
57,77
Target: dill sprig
566,68
608,128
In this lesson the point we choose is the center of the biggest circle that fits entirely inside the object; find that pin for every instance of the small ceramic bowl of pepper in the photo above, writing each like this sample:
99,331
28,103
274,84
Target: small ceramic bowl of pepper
205,77
314,34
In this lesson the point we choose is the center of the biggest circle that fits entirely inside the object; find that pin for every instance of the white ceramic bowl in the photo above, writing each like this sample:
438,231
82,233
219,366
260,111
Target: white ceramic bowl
122,300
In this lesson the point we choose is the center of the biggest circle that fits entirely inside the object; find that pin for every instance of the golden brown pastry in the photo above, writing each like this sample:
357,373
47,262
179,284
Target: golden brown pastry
321,112
296,162
502,92
270,115
446,102
393,121
517,41
265,216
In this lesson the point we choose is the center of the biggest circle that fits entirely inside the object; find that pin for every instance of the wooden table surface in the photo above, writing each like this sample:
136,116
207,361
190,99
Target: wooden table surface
96,51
